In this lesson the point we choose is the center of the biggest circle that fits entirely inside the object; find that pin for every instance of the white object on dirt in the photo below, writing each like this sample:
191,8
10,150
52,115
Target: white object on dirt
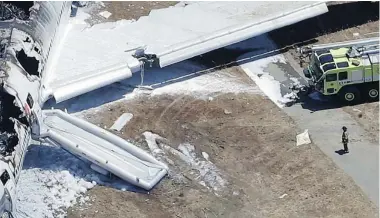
105,14
209,173
282,196
356,34
150,139
205,155
226,111
121,121
303,138
356,110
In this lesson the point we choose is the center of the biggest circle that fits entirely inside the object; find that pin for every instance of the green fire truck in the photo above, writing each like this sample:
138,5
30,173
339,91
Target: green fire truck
349,70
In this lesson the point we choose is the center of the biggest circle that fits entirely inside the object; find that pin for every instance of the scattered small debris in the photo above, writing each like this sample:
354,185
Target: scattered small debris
105,14
121,121
303,138
360,113
227,111
282,196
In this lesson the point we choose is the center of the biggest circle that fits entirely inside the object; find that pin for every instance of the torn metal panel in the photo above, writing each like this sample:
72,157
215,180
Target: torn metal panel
47,23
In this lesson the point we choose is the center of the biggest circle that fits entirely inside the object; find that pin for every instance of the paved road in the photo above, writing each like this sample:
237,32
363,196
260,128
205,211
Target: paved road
324,125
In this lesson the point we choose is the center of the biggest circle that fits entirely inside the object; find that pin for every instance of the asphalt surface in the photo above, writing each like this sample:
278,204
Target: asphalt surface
325,121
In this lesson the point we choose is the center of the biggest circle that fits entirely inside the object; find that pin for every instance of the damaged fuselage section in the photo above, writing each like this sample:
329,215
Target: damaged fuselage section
11,117
19,87
20,71
15,9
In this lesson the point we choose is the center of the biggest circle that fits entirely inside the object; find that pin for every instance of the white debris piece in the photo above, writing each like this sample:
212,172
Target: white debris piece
105,14
303,138
121,121
226,111
150,139
208,174
291,96
205,155
282,196
295,81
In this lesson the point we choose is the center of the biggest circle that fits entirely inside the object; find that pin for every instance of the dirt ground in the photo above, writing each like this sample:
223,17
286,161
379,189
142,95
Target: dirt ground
134,10
367,115
248,138
128,10
254,146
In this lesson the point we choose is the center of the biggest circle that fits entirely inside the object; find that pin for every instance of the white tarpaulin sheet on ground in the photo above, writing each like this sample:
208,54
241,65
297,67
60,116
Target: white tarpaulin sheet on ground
174,34
303,138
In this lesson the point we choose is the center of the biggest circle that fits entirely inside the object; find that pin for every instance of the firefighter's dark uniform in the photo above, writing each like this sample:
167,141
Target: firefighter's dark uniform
345,140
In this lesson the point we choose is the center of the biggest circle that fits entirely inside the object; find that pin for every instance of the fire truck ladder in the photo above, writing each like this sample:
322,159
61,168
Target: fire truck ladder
360,45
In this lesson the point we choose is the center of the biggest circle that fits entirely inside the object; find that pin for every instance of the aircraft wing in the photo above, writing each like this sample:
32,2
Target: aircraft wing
93,57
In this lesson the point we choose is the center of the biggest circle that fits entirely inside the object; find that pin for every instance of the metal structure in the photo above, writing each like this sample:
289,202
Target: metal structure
30,50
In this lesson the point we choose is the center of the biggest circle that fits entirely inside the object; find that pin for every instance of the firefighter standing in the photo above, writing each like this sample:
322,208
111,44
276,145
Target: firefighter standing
345,139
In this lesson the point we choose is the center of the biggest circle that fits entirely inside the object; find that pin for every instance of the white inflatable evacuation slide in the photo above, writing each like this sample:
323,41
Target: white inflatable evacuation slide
166,36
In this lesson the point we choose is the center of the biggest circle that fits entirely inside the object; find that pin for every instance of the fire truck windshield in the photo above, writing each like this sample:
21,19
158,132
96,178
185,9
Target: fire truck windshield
314,65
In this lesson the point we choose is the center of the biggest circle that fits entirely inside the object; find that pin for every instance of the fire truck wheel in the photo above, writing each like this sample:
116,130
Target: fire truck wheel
350,95
373,93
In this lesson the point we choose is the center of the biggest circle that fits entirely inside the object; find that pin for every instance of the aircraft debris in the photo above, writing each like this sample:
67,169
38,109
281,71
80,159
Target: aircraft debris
226,111
105,14
18,10
121,121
